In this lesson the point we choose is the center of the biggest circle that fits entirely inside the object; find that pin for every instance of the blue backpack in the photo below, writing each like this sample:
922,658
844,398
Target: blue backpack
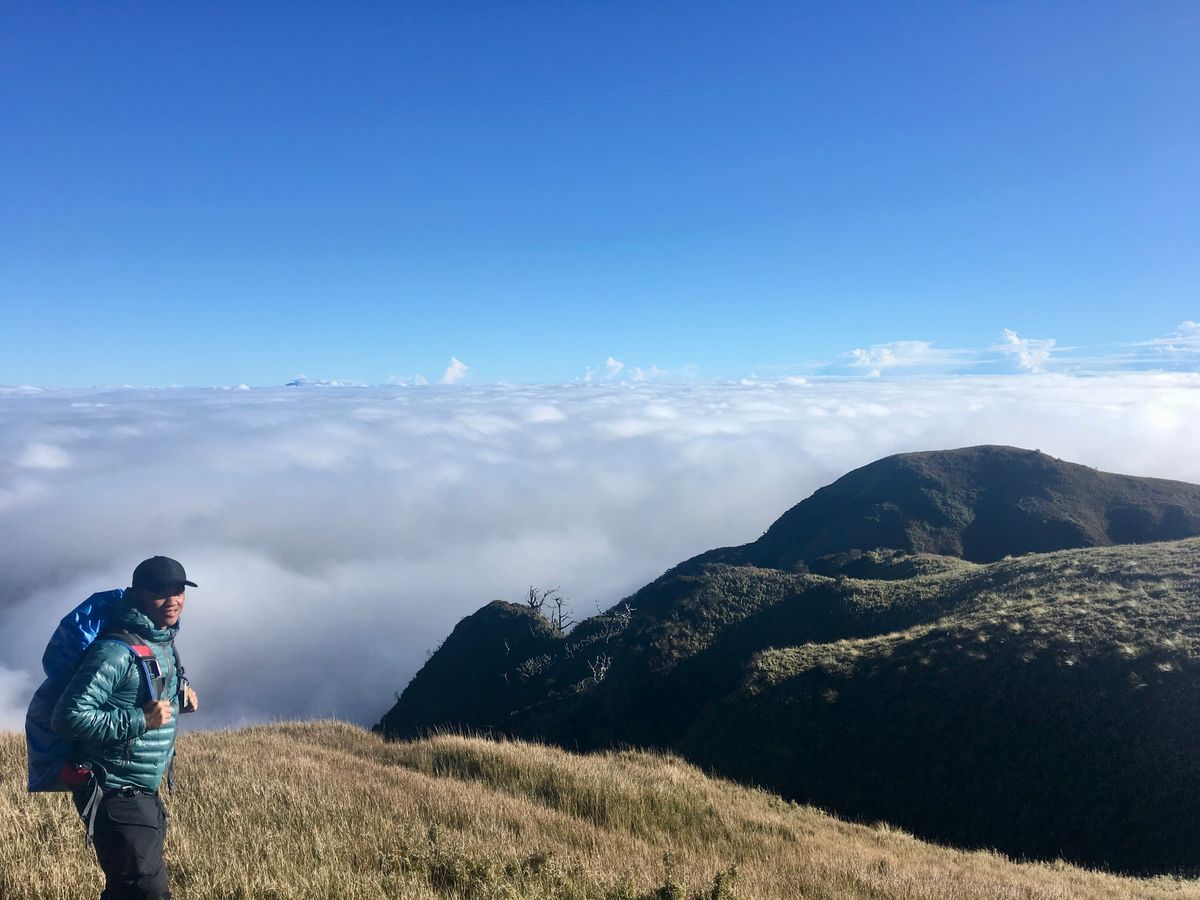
52,766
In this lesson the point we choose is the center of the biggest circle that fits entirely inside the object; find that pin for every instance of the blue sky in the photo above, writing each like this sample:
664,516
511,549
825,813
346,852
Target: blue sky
227,193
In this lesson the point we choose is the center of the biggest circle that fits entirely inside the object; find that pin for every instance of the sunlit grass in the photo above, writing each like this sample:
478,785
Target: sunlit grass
325,809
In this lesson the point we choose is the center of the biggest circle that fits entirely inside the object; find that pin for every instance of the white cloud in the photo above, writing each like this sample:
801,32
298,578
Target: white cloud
407,380
1032,354
1183,340
455,372
1189,331
544,412
352,527
44,456
876,359
16,687
305,381
917,355
615,370
1178,351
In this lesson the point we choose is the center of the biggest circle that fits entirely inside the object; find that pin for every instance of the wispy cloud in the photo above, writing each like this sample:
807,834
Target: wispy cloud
1183,341
615,370
1178,351
913,355
1009,352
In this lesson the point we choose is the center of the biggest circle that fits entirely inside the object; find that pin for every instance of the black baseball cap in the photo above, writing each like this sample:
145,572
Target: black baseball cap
159,573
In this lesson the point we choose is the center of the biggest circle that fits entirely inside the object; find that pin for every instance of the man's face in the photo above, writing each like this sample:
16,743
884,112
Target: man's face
164,610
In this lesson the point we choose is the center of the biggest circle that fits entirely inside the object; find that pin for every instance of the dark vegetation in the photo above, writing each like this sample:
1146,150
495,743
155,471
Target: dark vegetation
979,503
1044,705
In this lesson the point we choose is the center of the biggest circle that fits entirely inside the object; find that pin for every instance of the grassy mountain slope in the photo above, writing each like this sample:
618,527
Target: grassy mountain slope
978,503
878,652
325,809
1044,705
1053,711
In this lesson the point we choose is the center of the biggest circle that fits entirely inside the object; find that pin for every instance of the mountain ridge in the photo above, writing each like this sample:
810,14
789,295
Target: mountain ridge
978,503
750,660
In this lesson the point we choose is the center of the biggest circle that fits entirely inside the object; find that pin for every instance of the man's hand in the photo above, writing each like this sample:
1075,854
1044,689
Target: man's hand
158,713
190,703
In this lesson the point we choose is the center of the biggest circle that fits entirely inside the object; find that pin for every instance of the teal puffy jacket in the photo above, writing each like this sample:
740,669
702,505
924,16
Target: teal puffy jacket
101,709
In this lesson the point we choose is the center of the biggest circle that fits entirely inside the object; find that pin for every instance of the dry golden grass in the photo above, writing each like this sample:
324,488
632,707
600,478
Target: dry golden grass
326,809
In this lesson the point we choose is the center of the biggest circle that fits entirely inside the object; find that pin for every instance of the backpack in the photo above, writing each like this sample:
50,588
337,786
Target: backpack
52,763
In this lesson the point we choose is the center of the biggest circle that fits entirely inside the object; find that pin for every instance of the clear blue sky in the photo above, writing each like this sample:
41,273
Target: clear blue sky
214,193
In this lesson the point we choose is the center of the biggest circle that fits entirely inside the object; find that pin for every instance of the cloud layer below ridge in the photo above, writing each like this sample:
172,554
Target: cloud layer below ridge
337,533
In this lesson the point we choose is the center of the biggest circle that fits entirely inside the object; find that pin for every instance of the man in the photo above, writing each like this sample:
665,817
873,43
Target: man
125,735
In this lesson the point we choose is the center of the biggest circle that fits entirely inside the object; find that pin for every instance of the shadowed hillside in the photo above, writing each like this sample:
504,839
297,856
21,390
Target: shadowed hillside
991,705
1053,712
337,812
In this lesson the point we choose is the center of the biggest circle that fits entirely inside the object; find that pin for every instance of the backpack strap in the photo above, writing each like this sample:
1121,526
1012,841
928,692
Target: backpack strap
156,685
152,674
181,680
180,675
88,813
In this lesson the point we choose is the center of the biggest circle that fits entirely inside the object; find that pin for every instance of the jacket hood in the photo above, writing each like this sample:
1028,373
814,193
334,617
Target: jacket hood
128,617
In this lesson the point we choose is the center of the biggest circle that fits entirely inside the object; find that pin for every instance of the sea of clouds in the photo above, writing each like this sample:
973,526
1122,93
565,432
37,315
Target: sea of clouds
338,533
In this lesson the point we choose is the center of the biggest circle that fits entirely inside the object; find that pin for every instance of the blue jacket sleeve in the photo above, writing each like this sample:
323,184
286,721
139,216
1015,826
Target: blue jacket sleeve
80,713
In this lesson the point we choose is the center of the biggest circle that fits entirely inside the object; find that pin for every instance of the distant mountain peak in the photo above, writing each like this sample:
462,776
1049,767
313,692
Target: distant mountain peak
978,503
